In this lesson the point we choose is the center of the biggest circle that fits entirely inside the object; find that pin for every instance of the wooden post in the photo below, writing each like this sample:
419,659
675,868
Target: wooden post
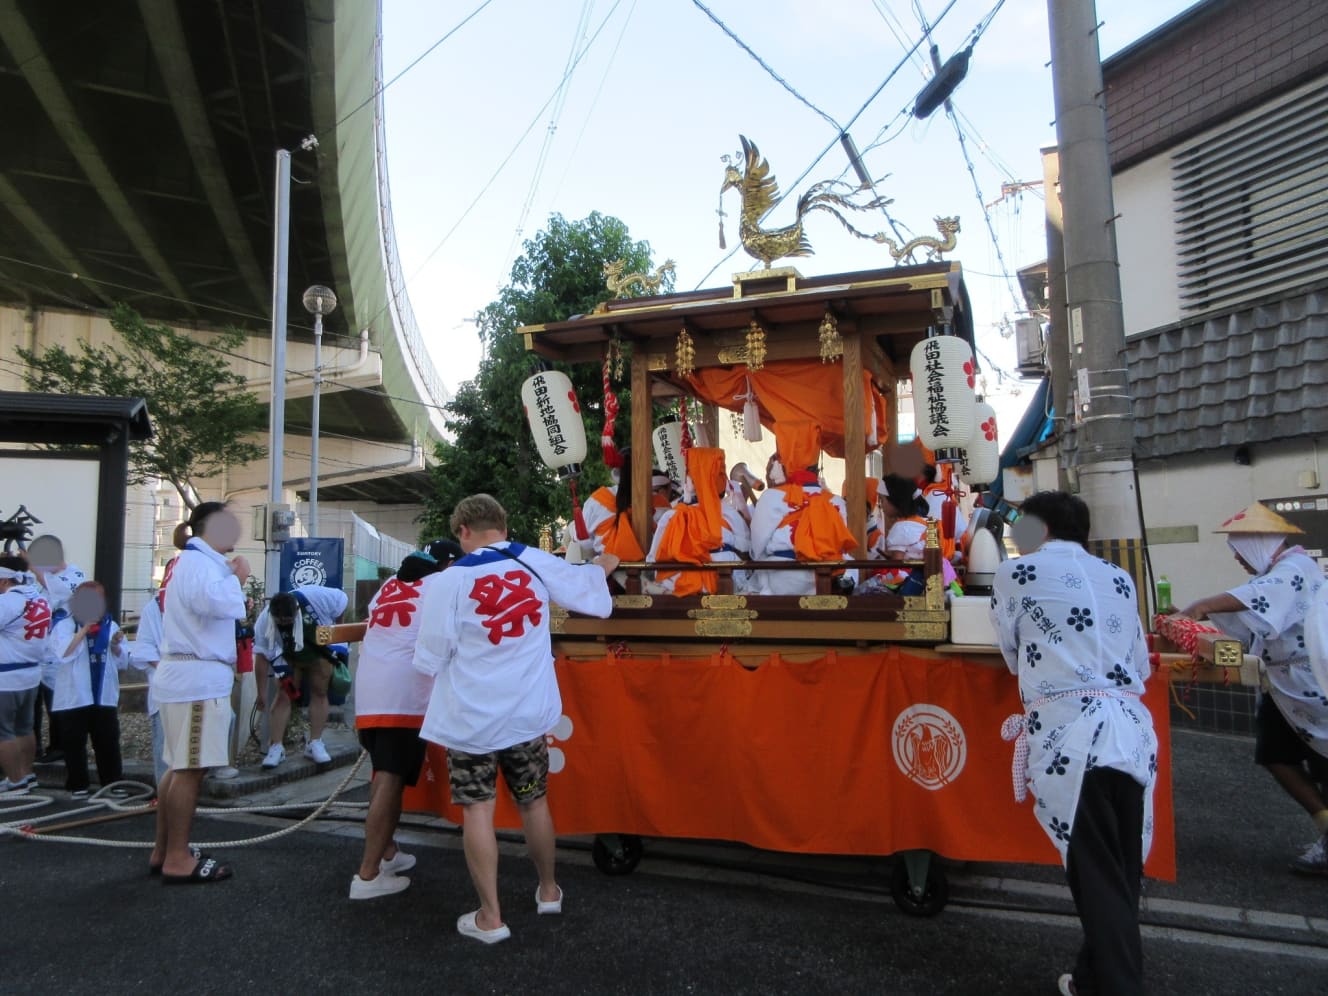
642,452
855,439
710,419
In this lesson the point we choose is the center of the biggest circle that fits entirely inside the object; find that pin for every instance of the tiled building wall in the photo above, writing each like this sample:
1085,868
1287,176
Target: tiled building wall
1229,56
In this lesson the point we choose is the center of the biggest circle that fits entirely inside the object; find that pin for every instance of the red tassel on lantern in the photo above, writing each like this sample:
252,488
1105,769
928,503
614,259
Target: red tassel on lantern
578,520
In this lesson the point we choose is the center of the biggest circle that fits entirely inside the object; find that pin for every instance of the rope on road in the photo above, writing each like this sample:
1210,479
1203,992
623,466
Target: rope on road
27,830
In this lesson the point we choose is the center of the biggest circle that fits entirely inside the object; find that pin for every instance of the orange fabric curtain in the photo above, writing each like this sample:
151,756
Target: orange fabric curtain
790,390
841,754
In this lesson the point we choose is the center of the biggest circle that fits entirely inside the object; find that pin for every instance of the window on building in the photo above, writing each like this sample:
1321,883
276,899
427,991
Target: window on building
1252,203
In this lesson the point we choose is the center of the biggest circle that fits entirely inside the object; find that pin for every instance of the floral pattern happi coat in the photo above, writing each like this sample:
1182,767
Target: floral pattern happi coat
1069,627
1274,629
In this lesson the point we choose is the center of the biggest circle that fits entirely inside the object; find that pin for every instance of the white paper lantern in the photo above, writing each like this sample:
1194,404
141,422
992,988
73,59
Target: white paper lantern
943,374
555,420
667,440
982,455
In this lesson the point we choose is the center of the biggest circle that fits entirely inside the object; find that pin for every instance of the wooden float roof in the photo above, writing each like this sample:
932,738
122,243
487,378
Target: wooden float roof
895,306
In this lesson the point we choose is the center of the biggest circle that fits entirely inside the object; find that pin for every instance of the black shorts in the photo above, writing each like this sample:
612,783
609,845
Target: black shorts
1277,743
394,750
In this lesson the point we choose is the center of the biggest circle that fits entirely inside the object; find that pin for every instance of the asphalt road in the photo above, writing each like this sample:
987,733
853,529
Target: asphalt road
692,918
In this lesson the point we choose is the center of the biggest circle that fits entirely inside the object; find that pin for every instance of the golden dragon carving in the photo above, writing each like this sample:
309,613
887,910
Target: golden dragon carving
948,227
760,192
620,286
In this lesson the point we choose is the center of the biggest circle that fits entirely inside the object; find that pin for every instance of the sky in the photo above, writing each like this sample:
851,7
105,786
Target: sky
627,106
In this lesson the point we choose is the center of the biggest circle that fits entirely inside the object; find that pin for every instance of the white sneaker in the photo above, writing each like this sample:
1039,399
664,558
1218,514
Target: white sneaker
317,753
20,787
224,773
400,862
467,927
1315,859
275,755
383,885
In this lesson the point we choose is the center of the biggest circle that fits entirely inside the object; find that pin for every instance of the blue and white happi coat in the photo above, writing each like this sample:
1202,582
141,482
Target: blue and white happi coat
1273,627
1069,627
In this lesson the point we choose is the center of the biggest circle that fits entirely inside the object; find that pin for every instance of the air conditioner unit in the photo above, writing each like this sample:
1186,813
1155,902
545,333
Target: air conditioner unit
1030,347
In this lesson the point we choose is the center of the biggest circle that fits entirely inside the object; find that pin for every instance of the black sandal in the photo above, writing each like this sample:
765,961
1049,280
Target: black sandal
156,869
206,871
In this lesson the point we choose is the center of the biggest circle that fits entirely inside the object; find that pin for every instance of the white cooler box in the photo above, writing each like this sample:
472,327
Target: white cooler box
970,621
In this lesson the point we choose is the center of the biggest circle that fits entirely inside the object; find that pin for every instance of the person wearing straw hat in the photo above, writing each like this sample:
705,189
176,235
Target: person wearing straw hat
1268,614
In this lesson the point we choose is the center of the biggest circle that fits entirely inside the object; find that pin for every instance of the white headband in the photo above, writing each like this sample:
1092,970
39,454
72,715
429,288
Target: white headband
22,577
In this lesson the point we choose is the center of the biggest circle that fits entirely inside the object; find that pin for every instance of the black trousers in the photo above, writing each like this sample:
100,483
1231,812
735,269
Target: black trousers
1105,868
102,724
53,739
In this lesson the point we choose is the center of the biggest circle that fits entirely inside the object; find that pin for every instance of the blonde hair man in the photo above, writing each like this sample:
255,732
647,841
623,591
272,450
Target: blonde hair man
485,639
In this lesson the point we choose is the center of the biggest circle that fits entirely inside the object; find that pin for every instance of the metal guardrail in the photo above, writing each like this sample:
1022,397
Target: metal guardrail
403,315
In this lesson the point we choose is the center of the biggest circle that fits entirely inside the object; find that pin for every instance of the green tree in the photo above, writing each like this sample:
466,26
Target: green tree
199,408
559,274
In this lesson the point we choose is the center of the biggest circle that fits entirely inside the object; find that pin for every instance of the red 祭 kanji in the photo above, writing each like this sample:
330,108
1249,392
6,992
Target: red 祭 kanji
37,619
396,604
508,601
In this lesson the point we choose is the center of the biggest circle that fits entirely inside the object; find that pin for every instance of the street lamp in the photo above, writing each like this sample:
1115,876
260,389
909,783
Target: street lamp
318,301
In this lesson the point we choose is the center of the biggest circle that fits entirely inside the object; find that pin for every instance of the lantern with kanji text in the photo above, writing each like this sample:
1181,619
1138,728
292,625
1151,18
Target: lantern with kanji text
943,374
555,421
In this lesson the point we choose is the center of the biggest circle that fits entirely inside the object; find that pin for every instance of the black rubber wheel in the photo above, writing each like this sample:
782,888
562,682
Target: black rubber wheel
616,853
935,893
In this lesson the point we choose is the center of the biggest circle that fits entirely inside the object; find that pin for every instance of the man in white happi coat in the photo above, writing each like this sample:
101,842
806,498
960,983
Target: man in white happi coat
485,641
193,685
1268,614
1069,627
390,698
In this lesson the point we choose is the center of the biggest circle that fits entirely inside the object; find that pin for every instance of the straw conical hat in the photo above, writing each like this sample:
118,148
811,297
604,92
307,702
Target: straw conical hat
1258,518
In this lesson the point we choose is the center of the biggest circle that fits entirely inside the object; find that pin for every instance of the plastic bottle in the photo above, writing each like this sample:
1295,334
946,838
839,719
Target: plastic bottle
1164,595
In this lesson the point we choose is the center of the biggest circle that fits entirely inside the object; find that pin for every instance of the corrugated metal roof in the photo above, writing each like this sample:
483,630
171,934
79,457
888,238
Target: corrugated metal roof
1255,374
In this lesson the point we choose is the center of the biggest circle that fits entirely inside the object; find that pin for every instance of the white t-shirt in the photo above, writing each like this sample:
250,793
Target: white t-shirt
389,691
73,672
203,603
59,589
485,640
25,622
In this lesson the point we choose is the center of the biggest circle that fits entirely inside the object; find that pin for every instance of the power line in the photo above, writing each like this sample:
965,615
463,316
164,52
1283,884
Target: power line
413,63
571,157
764,65
835,141
986,215
560,101
392,298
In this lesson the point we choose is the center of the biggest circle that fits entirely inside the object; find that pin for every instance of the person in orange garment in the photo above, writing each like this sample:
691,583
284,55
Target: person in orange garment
796,518
607,515
694,530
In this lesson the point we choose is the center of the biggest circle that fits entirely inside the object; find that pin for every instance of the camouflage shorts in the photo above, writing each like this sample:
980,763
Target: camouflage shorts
474,777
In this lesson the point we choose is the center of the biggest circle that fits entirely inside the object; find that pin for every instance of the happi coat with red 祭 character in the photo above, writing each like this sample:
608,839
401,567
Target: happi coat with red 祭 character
25,622
485,642
389,690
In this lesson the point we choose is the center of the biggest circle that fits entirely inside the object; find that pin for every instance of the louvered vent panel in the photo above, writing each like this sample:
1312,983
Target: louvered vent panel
1252,203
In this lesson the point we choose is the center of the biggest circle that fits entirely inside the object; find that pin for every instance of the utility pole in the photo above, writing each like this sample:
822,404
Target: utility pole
1102,421
276,434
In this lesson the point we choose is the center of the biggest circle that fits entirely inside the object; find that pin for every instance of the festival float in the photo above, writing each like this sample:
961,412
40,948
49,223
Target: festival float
828,722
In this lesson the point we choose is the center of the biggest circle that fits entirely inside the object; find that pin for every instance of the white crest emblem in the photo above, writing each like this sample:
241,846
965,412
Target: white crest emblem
562,731
929,745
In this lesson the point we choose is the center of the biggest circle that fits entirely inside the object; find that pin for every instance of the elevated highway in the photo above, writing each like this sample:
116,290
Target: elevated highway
137,166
